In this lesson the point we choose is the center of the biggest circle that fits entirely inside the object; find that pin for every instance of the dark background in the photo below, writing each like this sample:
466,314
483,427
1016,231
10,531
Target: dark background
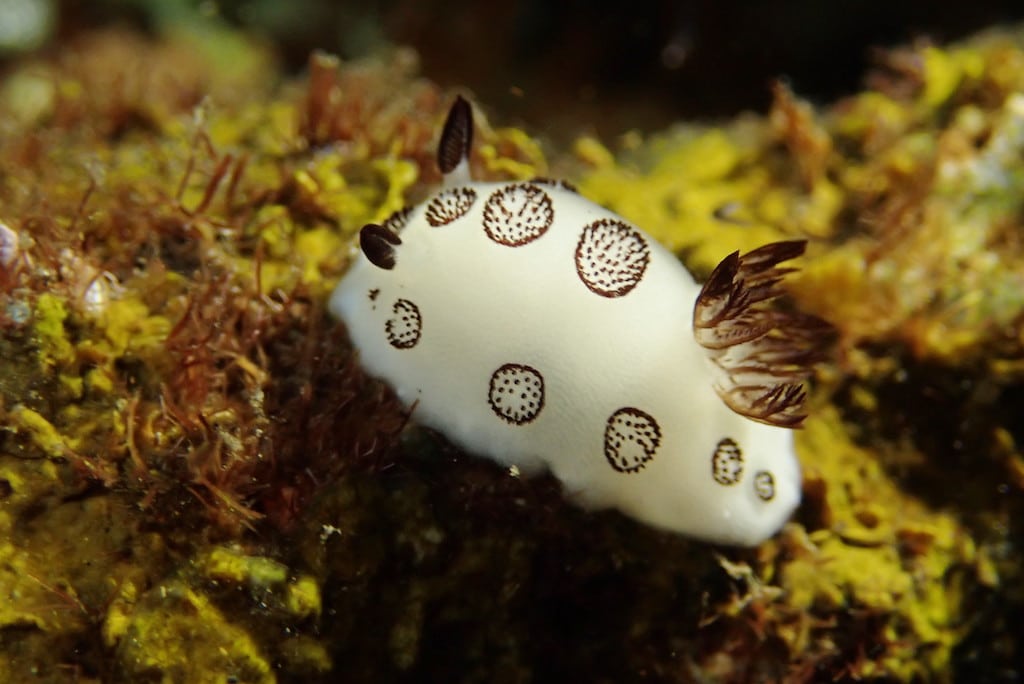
614,64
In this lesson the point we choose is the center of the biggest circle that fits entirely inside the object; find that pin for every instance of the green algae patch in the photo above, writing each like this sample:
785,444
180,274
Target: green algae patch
61,559
39,431
513,154
231,565
54,345
299,596
218,619
705,192
933,270
679,185
879,555
129,327
160,642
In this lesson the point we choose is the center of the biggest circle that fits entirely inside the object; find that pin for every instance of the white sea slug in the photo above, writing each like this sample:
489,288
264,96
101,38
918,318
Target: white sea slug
536,328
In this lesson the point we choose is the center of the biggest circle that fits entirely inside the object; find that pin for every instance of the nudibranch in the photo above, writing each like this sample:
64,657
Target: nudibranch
534,327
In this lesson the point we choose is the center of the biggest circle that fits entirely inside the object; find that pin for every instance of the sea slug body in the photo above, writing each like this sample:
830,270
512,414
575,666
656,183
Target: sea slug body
536,328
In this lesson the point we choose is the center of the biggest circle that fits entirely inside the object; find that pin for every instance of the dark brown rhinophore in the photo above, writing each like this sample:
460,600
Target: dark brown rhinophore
456,137
378,244
763,354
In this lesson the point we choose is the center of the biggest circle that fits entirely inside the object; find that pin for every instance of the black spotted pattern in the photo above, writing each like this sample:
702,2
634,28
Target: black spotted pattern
518,214
727,462
516,393
556,183
450,205
404,327
764,485
611,257
631,438
397,220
